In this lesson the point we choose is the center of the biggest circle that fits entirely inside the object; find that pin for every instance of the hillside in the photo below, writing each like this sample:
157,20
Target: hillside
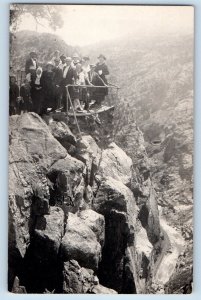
43,43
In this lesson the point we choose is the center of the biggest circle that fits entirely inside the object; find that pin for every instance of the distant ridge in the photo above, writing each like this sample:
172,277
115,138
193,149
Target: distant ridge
43,43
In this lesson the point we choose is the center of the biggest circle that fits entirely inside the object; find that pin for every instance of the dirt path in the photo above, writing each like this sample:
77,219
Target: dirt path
173,245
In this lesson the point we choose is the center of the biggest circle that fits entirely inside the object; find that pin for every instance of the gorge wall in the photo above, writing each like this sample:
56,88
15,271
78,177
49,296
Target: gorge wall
83,216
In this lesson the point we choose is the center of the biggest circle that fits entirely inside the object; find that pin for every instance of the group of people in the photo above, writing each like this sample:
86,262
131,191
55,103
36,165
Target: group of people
46,89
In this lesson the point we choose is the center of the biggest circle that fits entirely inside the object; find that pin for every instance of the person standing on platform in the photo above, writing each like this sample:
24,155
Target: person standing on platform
37,91
58,76
69,77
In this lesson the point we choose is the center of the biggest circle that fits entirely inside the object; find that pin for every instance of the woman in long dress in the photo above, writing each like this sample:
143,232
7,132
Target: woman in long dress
37,91
49,87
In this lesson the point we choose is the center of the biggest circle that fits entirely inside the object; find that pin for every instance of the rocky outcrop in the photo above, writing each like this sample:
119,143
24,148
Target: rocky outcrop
74,222
63,134
96,222
78,280
68,182
116,164
32,150
116,202
80,243
48,232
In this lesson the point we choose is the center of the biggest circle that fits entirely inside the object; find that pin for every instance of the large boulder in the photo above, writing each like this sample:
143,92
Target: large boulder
63,134
48,232
116,202
95,222
80,243
33,133
113,194
116,164
67,178
32,150
90,154
78,280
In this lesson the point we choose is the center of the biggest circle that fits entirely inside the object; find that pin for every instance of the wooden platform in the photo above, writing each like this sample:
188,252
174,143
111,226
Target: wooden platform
91,112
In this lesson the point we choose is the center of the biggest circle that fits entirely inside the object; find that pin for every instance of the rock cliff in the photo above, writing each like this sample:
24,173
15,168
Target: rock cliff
83,216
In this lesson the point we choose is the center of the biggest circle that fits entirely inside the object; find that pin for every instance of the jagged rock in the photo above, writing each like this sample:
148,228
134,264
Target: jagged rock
113,194
96,223
76,280
63,134
149,216
67,176
116,164
90,154
48,233
80,243
32,151
32,133
116,202
100,289
142,243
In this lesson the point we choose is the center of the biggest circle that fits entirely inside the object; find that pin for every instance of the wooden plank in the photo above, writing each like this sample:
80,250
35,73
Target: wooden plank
91,112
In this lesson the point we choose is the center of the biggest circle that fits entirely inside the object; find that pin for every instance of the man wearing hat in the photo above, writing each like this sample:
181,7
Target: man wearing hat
69,77
58,76
31,63
96,93
101,68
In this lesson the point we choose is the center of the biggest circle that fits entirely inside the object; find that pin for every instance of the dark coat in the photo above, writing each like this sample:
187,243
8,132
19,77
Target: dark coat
28,64
97,93
102,67
13,94
70,76
69,79
58,76
37,94
49,89
25,93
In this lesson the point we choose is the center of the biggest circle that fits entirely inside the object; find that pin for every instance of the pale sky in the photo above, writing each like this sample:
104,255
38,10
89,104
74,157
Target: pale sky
88,24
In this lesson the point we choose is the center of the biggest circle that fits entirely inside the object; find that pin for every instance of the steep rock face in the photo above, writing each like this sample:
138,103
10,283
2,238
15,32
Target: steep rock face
68,182
32,150
63,134
78,280
80,243
48,232
116,202
96,222
141,183
116,164
90,154
78,212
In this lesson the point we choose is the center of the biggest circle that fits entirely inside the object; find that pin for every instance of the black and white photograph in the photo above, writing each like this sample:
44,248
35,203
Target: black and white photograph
100,149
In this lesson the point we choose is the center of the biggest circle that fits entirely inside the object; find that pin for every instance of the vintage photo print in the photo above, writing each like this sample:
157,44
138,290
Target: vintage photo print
100,149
